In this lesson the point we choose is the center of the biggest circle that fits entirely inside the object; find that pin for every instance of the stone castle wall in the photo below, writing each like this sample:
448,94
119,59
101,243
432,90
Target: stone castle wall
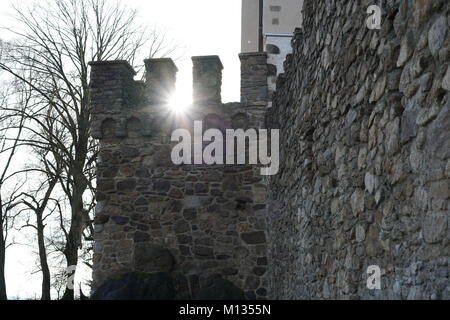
364,153
364,118
211,218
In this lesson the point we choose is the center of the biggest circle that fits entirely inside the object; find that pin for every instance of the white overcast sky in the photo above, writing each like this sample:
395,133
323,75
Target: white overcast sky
203,27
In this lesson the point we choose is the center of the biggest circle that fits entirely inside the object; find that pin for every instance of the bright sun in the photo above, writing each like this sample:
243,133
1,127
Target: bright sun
179,102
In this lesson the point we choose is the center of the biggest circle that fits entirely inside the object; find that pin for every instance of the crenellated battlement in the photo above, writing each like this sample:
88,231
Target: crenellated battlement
208,219
117,99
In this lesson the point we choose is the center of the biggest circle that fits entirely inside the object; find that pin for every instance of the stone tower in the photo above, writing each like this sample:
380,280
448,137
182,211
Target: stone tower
210,217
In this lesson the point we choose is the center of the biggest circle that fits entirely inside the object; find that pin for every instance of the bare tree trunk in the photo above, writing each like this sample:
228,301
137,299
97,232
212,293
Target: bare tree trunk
76,227
43,259
39,209
71,250
3,295
71,255
73,242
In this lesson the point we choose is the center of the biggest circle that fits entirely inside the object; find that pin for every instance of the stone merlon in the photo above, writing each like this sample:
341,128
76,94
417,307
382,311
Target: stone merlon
207,79
160,77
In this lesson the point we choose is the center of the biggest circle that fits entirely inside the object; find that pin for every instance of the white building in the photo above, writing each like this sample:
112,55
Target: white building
268,25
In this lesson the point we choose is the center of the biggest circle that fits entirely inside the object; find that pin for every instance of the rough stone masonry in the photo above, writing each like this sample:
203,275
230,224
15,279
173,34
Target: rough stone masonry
364,153
364,119
211,218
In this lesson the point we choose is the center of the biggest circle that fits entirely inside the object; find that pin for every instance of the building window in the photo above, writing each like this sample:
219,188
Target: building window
275,21
273,49
275,8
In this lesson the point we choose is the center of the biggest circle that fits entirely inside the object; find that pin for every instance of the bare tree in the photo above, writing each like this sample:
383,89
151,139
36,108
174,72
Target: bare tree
38,208
10,184
59,282
163,46
56,42
37,202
